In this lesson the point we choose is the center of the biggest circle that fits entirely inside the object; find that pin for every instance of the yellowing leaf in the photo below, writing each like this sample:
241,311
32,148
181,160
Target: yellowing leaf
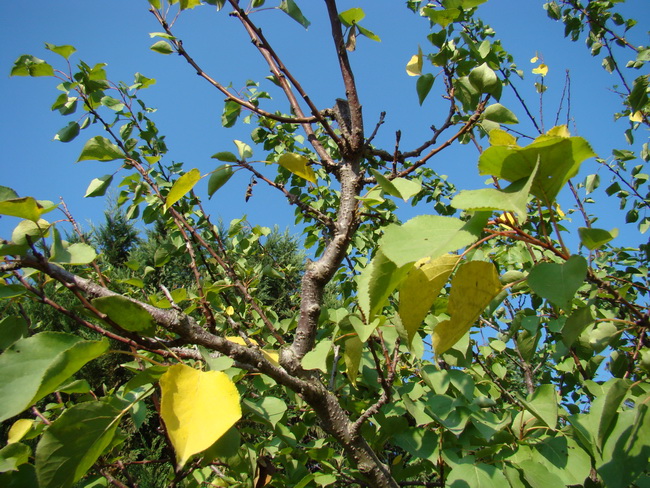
473,287
272,356
18,430
421,288
241,341
297,164
499,137
414,66
534,59
542,69
183,185
636,116
230,310
188,403
352,358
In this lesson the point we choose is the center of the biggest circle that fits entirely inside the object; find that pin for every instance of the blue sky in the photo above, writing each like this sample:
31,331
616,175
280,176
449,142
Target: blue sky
189,110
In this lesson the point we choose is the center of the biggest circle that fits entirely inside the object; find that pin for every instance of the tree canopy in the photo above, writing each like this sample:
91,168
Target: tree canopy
494,337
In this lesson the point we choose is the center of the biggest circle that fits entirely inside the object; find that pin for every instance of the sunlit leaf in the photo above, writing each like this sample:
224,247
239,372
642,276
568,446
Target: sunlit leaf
292,10
244,150
100,149
558,283
63,253
188,399
182,186
514,198
414,66
162,47
427,236
65,51
298,165
27,65
377,282
473,287
542,69
74,441
593,238
127,314
351,16
421,288
498,113
25,208
559,160
442,17
35,366
352,358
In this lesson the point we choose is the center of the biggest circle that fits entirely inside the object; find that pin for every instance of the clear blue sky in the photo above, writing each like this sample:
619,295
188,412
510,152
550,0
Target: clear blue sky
189,110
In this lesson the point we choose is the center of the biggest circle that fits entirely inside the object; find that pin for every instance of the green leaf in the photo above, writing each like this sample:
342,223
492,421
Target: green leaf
638,98
26,208
12,329
627,450
423,86
442,17
13,455
292,10
127,314
225,156
218,178
399,187
268,408
544,405
352,358
65,51
558,283
112,103
485,80
298,165
188,4
28,65
68,133
34,367
98,186
162,47
369,34
100,149
576,324
231,111
514,198
477,475
71,445
182,186
352,16
63,253
559,159
7,193
317,357
426,236
377,282
421,288
499,114
593,239
473,287
537,475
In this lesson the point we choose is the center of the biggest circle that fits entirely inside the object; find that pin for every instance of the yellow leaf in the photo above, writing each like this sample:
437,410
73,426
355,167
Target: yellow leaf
636,116
473,287
559,131
273,356
18,430
534,59
197,408
499,137
421,288
230,310
182,186
297,164
414,66
542,69
241,341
